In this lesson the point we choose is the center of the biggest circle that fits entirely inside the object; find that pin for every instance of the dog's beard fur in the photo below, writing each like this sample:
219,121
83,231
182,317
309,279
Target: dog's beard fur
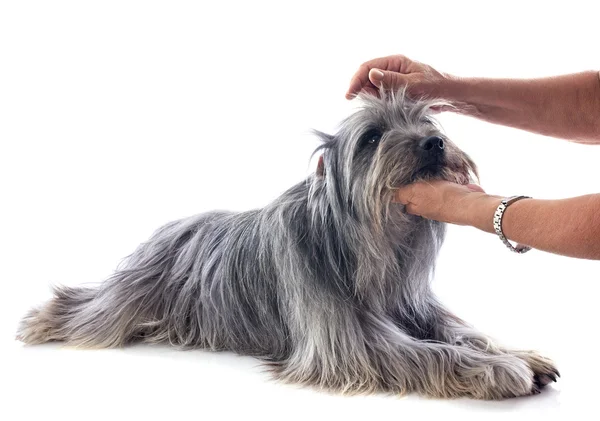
329,284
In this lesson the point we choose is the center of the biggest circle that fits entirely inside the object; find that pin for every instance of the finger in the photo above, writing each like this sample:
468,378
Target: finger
403,195
410,208
358,81
386,79
442,108
371,90
475,187
368,89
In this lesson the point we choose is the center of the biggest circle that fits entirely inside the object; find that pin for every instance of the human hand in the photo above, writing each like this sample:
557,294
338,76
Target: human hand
394,72
445,201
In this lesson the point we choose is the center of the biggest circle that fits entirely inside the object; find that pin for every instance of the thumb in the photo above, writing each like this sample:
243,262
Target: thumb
387,79
404,195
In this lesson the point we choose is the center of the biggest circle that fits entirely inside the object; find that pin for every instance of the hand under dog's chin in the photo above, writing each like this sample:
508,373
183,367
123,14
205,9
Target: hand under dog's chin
458,178
442,173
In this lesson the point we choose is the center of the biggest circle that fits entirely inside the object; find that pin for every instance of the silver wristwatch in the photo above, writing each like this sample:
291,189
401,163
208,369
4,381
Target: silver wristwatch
498,223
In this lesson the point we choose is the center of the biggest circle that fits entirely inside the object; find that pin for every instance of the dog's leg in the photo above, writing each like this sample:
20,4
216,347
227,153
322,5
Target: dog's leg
451,329
49,322
118,311
109,316
340,351
445,370
329,350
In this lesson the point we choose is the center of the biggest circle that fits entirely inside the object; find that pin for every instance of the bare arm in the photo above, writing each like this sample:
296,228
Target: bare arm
570,227
563,106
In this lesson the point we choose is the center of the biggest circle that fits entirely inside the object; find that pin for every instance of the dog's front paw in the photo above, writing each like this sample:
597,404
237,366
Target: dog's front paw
544,370
512,380
499,377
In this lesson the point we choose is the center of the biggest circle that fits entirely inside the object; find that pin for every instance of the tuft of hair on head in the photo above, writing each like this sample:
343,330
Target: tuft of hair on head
400,99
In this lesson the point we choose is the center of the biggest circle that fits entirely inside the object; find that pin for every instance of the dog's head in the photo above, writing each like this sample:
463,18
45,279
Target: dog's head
388,142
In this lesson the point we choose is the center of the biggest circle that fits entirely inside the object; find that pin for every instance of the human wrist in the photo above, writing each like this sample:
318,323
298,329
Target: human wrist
463,93
480,211
449,88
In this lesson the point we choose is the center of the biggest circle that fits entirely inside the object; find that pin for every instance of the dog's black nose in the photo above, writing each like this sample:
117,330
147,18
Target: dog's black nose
432,145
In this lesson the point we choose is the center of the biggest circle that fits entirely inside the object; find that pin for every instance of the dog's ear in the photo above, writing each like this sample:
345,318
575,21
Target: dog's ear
321,168
328,141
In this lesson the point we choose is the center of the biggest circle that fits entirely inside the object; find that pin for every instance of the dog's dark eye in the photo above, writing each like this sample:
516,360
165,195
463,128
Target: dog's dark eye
371,137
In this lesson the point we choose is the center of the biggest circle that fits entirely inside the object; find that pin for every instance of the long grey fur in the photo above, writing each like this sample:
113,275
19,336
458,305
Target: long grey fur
329,284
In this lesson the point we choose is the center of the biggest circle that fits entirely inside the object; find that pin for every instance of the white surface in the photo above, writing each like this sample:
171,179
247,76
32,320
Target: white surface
120,116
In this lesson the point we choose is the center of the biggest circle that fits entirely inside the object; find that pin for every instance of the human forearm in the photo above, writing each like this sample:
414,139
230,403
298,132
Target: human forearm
563,106
569,227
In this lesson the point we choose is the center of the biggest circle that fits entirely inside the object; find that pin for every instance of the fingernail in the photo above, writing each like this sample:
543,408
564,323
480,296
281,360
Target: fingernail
376,74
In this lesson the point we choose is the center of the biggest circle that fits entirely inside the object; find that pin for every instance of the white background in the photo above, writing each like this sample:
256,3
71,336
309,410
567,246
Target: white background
118,116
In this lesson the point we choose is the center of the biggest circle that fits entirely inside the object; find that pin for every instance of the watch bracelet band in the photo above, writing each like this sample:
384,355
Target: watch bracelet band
498,215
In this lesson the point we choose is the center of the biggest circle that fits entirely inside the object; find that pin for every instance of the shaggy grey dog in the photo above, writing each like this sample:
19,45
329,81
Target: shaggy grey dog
329,284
